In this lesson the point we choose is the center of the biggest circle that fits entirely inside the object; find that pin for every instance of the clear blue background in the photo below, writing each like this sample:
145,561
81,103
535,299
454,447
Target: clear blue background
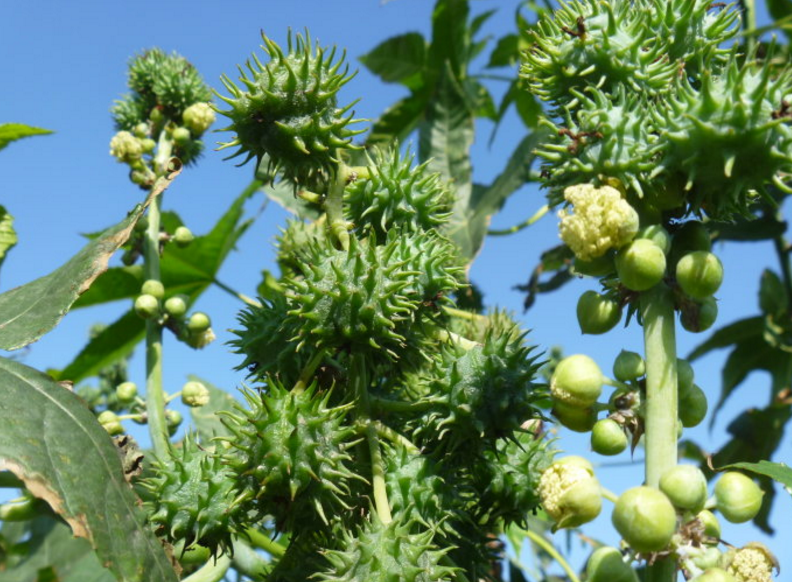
63,64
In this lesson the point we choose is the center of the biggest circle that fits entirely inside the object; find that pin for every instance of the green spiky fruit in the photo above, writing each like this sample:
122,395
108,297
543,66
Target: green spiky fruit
193,498
728,136
396,193
367,297
285,114
294,244
478,394
291,457
387,553
507,479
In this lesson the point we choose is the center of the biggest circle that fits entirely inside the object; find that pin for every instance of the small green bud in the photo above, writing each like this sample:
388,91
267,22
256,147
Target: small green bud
176,306
570,492
183,236
692,407
577,381
125,147
737,497
597,313
686,487
148,145
181,136
174,419
198,117
608,437
607,564
126,392
195,394
147,306
156,116
141,130
640,265
715,575
645,519
628,366
574,418
153,287
685,376
698,317
712,528
199,322
658,235
710,557
699,274
109,421
596,267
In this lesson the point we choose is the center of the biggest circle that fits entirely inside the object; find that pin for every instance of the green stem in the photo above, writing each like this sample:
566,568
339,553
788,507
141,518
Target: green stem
378,476
449,336
388,405
263,542
387,432
247,561
358,172
749,22
553,553
213,571
334,207
657,310
307,373
241,296
155,396
525,224
462,314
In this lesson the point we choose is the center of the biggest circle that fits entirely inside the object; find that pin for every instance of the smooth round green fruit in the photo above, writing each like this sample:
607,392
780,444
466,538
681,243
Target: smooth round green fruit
181,135
737,497
686,487
608,437
109,421
199,322
699,274
628,366
709,558
183,236
574,418
658,235
685,376
715,575
570,492
153,287
698,317
645,519
173,418
126,392
640,265
577,381
712,528
606,564
176,306
692,407
147,306
597,314
596,267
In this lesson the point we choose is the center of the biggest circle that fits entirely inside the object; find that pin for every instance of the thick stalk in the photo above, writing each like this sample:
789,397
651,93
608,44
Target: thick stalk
155,395
213,571
657,310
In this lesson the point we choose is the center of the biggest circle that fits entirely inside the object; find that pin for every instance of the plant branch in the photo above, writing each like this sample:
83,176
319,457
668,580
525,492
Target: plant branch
553,553
213,571
263,542
241,296
334,207
307,373
395,437
525,224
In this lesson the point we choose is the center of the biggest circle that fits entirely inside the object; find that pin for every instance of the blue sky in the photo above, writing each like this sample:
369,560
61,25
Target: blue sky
63,64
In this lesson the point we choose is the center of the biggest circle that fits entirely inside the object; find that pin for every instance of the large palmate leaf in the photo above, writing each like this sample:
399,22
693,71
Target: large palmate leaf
52,550
51,441
30,311
8,236
13,131
398,59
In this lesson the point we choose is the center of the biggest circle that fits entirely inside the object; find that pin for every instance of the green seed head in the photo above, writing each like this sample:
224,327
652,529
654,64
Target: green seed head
198,117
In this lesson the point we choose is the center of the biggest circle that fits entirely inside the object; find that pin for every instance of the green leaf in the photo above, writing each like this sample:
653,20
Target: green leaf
479,99
766,227
397,58
53,443
750,329
114,342
779,9
8,236
30,311
114,284
505,52
13,131
773,299
282,193
205,418
51,545
450,37
776,471
398,121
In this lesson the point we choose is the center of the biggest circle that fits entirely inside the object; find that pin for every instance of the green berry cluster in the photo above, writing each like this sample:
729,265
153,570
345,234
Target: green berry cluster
194,329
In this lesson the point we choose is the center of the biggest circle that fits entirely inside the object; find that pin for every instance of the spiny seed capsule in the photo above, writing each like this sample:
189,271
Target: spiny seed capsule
699,274
628,366
607,564
686,487
608,438
640,265
153,287
645,519
577,381
597,314
738,498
